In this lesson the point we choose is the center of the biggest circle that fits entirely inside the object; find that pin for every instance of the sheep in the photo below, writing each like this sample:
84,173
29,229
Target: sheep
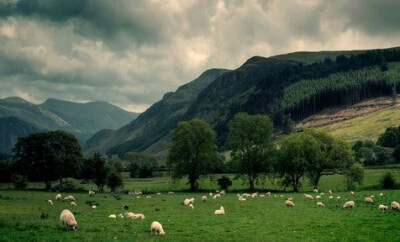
204,198
158,193
382,208
322,194
320,204
307,196
188,201
381,194
254,195
289,198
130,215
222,192
91,193
220,211
330,191
148,196
242,198
50,202
217,196
58,197
317,197
69,198
73,204
171,193
330,197
120,215
262,195
395,205
112,216
289,203
268,193
315,190
211,194
348,204
68,218
338,197
94,206
368,200
191,206
139,215
351,193
139,193
157,228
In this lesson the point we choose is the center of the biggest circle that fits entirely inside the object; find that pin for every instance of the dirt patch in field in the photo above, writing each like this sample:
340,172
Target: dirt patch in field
339,114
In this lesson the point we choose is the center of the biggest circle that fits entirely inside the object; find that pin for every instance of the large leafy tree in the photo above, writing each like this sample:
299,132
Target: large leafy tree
250,139
141,165
48,156
95,169
193,150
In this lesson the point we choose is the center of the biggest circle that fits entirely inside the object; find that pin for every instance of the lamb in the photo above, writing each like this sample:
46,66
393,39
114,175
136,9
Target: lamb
268,193
315,190
307,196
254,195
69,198
289,203
222,192
338,197
351,193
58,197
188,201
171,193
330,197
381,194
348,204
91,193
204,198
395,205
148,196
191,206
211,194
220,211
322,194
290,198
317,197
112,216
94,206
242,198
157,228
382,208
368,200
330,191
50,202
217,196
320,204
73,204
262,195
120,215
130,215
68,218
158,193
139,215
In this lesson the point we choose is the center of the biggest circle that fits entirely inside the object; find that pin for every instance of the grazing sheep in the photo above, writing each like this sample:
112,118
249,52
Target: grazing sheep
381,194
191,206
94,206
148,196
351,193
69,198
280,195
138,197
338,197
188,201
320,204
315,190
242,198
330,197
317,197
158,193
268,193
322,194
126,206
58,197
211,194
330,191
171,193
395,205
254,195
289,203
50,202
139,193
220,211
73,204
307,196
68,218
217,196
91,193
222,192
139,215
368,200
120,215
157,228
130,215
382,208
112,216
262,195
204,198
372,196
348,204
290,198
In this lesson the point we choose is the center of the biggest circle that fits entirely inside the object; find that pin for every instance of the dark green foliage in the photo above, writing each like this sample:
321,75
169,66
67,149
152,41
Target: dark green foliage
250,138
370,154
5,171
141,165
44,215
193,151
19,181
387,181
114,180
48,156
396,154
224,182
70,184
390,138
94,169
354,176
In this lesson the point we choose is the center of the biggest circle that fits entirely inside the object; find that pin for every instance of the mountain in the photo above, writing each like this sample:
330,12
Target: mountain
88,118
155,122
10,129
288,88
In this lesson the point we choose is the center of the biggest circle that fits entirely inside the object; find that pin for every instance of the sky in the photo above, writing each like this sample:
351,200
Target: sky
131,52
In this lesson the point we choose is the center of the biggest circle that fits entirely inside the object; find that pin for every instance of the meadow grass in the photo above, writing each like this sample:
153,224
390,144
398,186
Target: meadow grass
26,216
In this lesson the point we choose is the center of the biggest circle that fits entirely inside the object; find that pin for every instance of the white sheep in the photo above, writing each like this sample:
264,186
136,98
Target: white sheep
315,190
120,215
73,204
148,196
320,204
171,193
130,215
289,203
351,193
268,193
58,197
262,195
309,197
204,198
188,201
112,216
50,202
330,191
220,211
254,195
289,198
157,228
216,196
191,206
139,215
211,194
322,194
348,204
330,197
69,198
382,208
158,193
91,193
242,198
368,200
94,206
222,192
338,197
381,194
317,197
395,205
68,218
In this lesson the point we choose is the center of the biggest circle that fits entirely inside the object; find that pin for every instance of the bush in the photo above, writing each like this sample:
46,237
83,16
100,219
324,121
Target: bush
224,182
69,184
387,181
114,180
19,181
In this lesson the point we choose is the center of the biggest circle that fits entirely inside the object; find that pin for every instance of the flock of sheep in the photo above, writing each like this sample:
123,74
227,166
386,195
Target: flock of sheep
67,218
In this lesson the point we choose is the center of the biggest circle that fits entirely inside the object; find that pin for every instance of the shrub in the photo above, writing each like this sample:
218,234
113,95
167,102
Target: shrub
114,180
387,181
69,184
224,182
19,181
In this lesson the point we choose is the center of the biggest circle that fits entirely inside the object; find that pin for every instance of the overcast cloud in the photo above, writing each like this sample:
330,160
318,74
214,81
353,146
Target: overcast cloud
130,53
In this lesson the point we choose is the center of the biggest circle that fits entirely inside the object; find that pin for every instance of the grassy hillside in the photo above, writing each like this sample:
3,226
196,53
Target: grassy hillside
367,127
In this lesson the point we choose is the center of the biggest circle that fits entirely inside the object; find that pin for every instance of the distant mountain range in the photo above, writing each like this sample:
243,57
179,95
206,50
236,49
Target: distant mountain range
19,117
287,87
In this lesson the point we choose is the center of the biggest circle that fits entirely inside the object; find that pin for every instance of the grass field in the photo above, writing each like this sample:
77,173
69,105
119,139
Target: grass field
26,216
